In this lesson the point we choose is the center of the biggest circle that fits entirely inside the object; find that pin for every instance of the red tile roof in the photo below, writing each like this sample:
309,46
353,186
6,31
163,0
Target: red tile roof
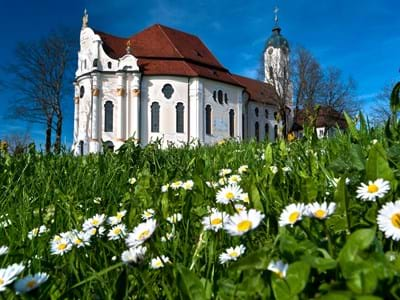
325,117
165,51
259,91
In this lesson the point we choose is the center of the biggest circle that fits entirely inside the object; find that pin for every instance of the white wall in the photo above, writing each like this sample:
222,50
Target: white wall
261,119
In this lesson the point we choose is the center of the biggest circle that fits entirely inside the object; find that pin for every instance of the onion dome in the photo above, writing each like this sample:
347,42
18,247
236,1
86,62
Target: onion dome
277,40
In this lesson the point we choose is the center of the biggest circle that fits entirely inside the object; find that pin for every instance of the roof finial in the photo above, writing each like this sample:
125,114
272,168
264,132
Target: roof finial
85,19
276,10
128,47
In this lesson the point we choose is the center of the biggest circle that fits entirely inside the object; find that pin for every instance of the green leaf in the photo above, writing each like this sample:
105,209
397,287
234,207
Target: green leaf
281,289
297,276
268,157
363,282
377,165
257,260
189,284
351,127
255,198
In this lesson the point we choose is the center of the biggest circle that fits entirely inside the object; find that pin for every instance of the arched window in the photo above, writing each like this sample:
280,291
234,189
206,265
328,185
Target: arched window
220,97
266,131
108,116
266,114
226,98
208,119
109,64
276,131
180,117
108,146
256,112
155,117
95,63
215,95
257,131
81,144
232,123
271,73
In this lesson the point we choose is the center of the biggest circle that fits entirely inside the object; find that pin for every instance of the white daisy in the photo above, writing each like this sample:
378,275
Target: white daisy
159,262
97,200
9,274
389,220
95,221
222,181
279,268
60,245
132,180
114,220
117,232
273,169
215,221
229,193
188,185
234,179
373,190
141,233
224,172
133,255
80,239
148,214
175,218
165,188
231,254
320,211
286,169
243,169
38,231
291,214
168,236
96,231
242,222
176,185
240,207
30,282
245,197
3,250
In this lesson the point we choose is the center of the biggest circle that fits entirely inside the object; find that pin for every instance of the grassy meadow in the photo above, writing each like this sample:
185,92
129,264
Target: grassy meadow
230,221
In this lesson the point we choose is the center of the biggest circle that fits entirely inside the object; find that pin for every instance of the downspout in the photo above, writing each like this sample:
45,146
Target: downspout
188,111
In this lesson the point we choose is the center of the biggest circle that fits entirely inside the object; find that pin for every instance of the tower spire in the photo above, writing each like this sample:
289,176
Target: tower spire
85,19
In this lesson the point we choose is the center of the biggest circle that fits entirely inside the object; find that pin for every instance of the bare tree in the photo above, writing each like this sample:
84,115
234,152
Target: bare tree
38,78
337,93
307,78
17,143
381,112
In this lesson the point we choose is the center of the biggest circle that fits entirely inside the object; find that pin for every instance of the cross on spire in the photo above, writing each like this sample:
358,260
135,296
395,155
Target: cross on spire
276,10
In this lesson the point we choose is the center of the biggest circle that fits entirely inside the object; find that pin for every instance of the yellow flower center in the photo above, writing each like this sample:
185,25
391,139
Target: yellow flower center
396,220
78,241
216,221
229,195
35,231
61,246
244,226
94,230
31,284
233,254
294,216
320,214
95,222
158,263
1,281
144,234
120,216
280,274
372,188
117,231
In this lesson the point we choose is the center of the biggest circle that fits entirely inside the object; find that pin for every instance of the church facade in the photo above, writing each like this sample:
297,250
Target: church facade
165,84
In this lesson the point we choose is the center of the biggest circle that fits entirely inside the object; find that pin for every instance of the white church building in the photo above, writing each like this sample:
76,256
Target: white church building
165,84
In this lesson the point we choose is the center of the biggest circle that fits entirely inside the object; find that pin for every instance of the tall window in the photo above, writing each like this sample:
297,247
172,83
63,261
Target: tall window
257,131
208,119
232,123
220,97
276,131
266,131
81,148
108,116
266,114
256,112
155,117
179,117
271,73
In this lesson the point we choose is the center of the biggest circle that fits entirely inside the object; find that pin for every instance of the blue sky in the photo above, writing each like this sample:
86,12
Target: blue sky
362,38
